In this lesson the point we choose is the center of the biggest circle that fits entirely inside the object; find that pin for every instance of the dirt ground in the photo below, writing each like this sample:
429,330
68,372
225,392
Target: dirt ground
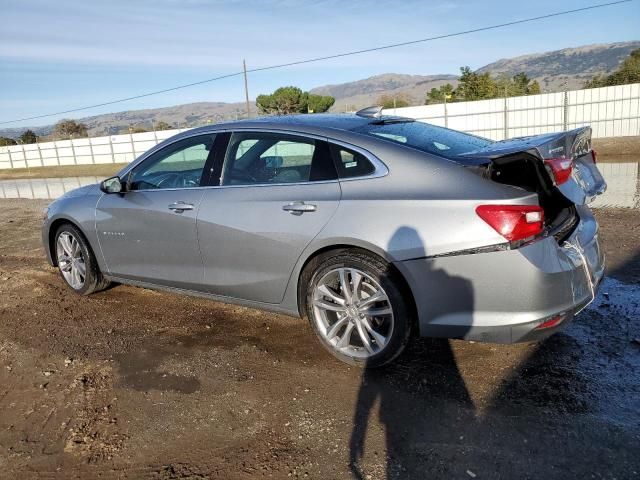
131,383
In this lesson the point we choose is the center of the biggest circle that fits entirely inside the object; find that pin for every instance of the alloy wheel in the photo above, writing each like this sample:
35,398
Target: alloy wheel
352,312
71,261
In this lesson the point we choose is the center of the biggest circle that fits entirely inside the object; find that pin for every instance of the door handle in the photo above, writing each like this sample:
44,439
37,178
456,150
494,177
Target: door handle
298,208
180,207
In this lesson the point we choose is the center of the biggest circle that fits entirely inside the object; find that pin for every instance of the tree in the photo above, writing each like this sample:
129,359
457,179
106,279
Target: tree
627,72
125,130
28,136
482,86
319,103
476,86
436,95
69,128
519,85
284,101
596,81
287,100
162,126
534,88
6,141
393,101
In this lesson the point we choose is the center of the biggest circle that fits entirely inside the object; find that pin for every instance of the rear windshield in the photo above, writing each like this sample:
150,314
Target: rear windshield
428,138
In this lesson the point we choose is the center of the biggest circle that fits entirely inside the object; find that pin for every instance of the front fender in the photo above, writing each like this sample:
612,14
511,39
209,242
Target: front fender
78,210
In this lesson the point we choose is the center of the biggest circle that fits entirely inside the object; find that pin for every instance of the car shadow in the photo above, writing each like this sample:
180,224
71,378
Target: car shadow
563,408
427,370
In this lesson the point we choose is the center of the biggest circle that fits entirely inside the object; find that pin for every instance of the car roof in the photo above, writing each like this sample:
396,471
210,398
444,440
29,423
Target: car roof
314,123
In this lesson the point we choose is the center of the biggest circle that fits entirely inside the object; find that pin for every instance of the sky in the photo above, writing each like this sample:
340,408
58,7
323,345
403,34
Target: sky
67,54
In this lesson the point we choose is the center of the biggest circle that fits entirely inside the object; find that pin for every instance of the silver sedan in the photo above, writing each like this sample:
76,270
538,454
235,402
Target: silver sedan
374,228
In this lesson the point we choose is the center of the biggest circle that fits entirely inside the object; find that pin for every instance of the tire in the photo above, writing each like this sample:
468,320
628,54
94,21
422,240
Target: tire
321,285
72,251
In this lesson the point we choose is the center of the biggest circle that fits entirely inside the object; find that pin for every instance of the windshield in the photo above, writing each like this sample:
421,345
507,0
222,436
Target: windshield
428,138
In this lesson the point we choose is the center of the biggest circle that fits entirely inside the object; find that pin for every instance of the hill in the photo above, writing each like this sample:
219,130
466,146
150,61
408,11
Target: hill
366,92
567,68
571,65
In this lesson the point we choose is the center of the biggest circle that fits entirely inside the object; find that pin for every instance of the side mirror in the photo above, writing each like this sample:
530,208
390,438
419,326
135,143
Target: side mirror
112,185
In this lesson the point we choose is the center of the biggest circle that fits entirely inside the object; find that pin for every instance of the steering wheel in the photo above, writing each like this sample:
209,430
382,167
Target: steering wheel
173,178
190,182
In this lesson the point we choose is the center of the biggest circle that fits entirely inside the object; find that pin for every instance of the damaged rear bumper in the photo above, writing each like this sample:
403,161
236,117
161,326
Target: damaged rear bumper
505,296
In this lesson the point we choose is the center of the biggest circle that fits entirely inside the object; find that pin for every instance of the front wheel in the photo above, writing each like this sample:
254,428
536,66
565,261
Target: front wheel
357,308
76,261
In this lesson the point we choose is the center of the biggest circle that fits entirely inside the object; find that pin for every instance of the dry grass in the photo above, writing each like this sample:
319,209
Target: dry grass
102,170
620,149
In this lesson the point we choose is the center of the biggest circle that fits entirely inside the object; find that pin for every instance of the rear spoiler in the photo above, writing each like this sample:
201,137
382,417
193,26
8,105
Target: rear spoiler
571,144
566,156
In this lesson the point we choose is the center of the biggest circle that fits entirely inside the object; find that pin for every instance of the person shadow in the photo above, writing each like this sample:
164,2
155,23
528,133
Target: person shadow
426,371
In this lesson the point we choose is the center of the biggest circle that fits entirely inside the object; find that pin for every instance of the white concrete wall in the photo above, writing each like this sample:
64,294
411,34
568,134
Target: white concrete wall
623,185
611,112
82,151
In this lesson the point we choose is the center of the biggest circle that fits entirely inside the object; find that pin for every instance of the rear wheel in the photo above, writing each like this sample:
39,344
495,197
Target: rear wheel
76,261
357,308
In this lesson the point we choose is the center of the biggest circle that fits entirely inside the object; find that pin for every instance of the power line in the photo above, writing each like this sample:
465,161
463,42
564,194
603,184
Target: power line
327,57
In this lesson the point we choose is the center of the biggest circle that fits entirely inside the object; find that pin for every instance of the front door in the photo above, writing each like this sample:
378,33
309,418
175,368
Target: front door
277,192
149,232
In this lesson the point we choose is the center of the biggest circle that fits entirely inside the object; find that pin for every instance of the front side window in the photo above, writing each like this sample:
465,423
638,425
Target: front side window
275,158
179,165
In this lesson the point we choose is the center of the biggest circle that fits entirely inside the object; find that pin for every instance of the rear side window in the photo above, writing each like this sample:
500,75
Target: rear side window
274,158
428,138
350,163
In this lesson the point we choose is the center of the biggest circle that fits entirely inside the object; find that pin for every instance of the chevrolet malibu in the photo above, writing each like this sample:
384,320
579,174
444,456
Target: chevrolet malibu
374,228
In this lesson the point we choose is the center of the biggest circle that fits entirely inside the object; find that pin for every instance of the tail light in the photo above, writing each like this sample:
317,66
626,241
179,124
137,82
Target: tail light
560,168
594,154
513,222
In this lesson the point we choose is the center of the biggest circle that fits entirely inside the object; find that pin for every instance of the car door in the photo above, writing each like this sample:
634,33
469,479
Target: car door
276,193
148,233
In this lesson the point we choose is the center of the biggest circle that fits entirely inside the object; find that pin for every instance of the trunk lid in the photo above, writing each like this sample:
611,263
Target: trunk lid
544,153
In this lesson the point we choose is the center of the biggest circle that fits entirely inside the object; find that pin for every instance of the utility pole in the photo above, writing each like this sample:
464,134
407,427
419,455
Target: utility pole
565,107
446,115
246,88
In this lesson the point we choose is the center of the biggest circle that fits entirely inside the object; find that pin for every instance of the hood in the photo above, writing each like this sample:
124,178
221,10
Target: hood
82,191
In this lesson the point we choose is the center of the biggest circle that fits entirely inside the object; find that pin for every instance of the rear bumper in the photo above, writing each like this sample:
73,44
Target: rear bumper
503,296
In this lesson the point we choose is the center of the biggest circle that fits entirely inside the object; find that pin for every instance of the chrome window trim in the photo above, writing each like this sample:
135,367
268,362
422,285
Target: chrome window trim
380,169
206,187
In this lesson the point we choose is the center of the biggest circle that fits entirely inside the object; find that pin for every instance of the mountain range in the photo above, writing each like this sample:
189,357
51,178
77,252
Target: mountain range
568,68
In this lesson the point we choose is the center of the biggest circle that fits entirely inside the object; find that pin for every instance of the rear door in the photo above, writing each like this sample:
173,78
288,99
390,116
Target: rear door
276,192
149,232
